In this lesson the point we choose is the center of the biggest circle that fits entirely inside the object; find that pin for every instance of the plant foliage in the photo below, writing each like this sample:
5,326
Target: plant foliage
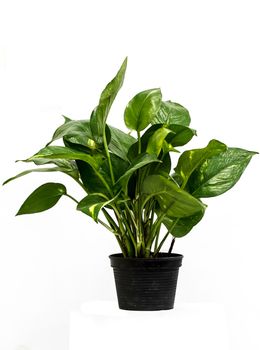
129,183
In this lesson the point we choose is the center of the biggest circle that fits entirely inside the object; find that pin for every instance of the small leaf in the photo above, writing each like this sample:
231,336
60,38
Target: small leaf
173,201
189,161
180,135
155,142
43,198
172,113
99,115
142,109
93,203
219,173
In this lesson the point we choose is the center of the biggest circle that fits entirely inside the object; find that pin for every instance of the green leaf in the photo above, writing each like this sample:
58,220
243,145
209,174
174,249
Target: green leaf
120,143
155,142
75,131
43,198
99,115
171,113
93,203
183,225
219,173
180,135
142,109
189,161
173,201
139,162
59,152
40,170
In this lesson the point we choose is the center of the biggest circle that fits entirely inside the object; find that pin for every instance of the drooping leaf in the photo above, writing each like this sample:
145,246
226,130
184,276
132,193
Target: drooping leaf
172,200
171,113
155,142
120,143
59,152
219,173
138,163
40,170
184,225
43,198
189,161
142,109
99,115
180,135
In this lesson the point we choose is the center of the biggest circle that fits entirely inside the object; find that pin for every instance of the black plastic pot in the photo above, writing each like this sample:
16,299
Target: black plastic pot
146,284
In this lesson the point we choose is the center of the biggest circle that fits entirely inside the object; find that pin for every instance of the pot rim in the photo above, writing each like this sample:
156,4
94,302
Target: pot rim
161,256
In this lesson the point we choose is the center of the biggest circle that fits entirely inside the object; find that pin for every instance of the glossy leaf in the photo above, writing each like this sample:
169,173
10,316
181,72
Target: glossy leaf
120,143
172,200
180,135
189,161
219,173
99,115
142,109
171,113
155,142
59,152
141,161
183,226
43,198
92,204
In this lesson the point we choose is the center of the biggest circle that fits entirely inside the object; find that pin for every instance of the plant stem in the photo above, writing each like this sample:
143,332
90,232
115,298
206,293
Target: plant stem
71,198
139,142
171,246
108,156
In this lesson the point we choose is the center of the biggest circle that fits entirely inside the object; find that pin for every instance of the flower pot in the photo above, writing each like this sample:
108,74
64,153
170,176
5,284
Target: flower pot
146,284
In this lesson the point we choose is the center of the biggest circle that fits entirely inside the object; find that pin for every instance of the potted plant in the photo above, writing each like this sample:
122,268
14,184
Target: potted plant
133,189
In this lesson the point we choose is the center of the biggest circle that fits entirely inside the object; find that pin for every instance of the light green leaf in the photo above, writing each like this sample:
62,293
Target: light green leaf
142,109
173,201
189,161
43,198
99,115
93,203
155,142
171,113
219,173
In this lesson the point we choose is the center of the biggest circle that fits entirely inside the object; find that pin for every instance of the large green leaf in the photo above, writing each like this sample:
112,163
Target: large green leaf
43,198
59,152
179,227
120,143
173,201
219,173
142,109
171,113
92,204
189,161
155,142
139,162
99,115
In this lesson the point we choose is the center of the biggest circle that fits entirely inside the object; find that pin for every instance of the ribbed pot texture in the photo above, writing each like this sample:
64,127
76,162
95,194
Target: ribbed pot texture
146,284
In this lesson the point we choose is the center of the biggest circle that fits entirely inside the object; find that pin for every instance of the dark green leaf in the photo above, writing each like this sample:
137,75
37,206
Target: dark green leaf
142,109
92,204
183,225
219,173
99,115
172,113
172,200
138,163
189,161
180,135
120,143
43,198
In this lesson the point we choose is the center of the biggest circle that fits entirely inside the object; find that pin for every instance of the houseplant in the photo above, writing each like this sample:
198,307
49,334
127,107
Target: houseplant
130,187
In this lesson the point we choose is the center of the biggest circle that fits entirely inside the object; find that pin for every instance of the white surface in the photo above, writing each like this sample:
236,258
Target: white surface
55,58
101,324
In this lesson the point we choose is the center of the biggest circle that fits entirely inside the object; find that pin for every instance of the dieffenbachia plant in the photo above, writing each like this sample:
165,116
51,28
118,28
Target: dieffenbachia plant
129,184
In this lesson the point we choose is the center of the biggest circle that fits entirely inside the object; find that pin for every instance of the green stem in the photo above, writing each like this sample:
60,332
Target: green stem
71,198
108,156
139,142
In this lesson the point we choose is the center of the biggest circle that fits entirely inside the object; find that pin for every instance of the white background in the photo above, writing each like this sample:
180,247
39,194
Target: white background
55,58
